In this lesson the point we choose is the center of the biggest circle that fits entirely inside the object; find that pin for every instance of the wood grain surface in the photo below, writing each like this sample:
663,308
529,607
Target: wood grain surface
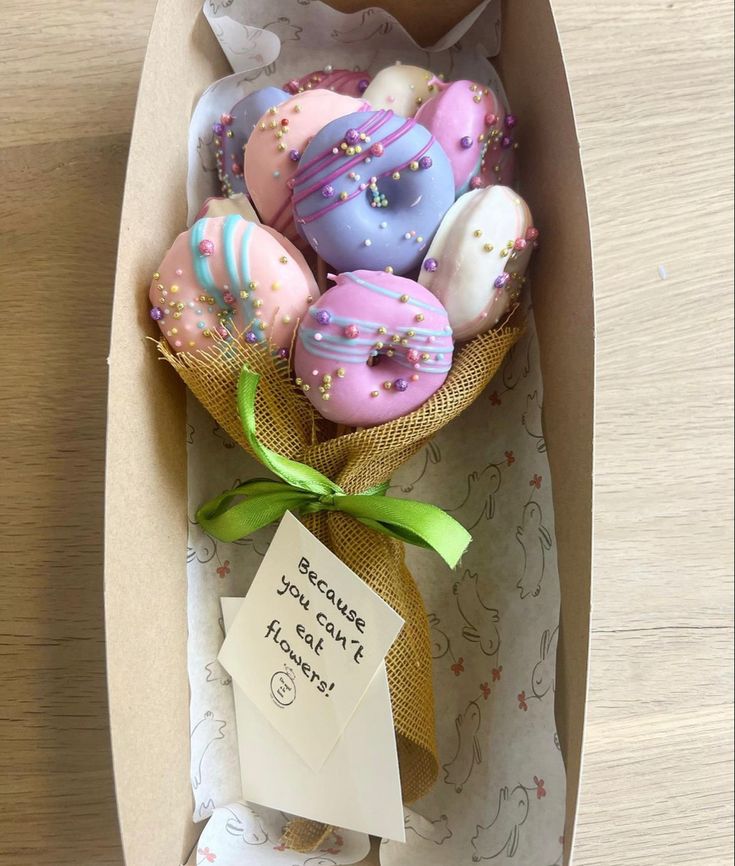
652,87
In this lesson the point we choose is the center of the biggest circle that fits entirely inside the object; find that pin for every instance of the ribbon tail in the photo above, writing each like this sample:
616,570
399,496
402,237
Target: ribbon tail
291,471
417,523
228,522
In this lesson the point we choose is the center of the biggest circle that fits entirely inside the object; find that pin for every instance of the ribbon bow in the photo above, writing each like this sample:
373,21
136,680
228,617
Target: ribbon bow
303,489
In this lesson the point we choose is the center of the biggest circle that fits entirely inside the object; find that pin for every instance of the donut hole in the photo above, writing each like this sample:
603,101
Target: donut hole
391,194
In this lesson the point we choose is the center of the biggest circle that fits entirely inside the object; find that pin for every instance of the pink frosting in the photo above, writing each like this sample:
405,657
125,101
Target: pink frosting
372,316
346,81
468,119
224,272
275,147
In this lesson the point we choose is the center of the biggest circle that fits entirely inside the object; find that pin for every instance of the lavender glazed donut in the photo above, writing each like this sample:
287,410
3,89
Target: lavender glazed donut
276,145
346,81
478,258
374,347
467,119
371,190
402,89
228,271
232,131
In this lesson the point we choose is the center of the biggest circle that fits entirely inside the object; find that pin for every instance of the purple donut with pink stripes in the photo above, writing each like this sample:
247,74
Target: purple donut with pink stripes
371,190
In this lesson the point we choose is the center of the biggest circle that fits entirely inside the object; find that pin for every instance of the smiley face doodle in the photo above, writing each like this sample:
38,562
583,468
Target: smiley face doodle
283,687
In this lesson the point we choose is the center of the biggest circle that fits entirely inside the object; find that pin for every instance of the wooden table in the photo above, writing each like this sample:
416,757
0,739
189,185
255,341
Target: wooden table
652,84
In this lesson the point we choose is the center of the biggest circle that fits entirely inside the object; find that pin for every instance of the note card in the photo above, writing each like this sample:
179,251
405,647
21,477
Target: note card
307,641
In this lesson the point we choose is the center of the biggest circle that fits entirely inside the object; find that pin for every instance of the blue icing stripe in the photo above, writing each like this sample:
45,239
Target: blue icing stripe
382,291
231,223
201,265
420,332
249,310
244,259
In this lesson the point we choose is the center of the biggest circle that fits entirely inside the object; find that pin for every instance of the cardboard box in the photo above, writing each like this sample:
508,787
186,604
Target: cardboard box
145,572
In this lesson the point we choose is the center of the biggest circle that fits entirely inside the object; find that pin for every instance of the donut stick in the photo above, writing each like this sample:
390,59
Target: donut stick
217,206
232,131
402,89
467,119
276,145
346,81
477,260
226,272
374,347
371,190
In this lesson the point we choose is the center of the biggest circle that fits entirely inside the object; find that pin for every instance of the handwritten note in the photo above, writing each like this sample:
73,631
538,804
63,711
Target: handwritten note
307,641
365,760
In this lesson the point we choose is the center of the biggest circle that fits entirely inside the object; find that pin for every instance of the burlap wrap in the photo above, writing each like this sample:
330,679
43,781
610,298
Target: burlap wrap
287,423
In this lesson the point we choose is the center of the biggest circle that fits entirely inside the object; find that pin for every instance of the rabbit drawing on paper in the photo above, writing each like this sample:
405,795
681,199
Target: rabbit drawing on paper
459,769
206,731
246,825
535,539
517,364
432,456
205,809
284,30
433,831
216,673
531,420
479,499
255,45
502,833
201,547
543,678
216,5
369,26
439,640
482,620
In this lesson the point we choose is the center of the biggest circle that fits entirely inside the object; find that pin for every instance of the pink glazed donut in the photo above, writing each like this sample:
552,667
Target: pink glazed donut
374,347
274,149
470,123
347,81
228,271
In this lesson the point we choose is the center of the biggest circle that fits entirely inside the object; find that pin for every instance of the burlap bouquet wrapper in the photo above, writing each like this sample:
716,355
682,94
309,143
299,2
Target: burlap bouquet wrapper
356,461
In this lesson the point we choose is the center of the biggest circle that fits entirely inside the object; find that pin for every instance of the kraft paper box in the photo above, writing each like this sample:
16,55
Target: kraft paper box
146,522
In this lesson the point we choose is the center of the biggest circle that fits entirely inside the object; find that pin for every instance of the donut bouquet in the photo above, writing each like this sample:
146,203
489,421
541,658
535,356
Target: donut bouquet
349,294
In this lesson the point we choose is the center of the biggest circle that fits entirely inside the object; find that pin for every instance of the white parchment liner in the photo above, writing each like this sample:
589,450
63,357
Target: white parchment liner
501,789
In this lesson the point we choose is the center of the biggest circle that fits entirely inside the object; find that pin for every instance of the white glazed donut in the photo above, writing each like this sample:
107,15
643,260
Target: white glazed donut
402,89
477,260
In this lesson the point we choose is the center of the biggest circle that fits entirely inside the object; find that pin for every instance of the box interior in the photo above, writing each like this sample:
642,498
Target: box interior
145,582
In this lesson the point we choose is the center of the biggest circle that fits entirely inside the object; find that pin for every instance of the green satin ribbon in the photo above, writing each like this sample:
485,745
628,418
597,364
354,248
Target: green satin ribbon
304,490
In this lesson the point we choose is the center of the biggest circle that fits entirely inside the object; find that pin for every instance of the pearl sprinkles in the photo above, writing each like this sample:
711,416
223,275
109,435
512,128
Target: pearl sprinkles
398,348
359,168
205,289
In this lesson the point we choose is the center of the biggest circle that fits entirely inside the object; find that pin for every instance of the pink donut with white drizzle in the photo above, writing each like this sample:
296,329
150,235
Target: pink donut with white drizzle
349,82
227,272
468,120
275,146
373,348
